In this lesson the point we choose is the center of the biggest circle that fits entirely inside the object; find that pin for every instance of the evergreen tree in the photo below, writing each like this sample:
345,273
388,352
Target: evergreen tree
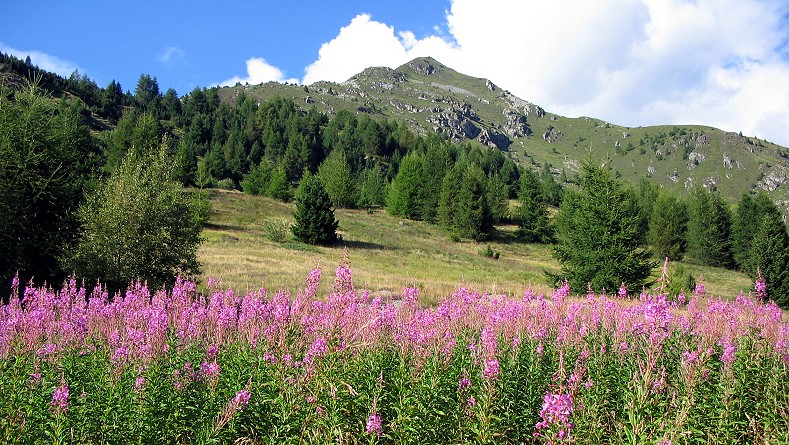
279,186
336,176
769,255
709,227
147,94
668,226
47,158
497,194
552,192
472,218
372,188
404,194
315,223
447,201
533,222
139,225
597,231
750,211
435,161
256,182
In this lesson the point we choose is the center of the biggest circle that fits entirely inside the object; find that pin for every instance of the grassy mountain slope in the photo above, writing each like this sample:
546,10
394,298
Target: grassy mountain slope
432,97
386,253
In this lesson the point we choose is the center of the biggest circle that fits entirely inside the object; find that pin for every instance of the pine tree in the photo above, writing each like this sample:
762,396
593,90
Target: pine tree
404,194
472,218
447,200
597,231
769,255
533,222
668,226
750,211
315,223
372,188
709,228
278,185
336,176
497,194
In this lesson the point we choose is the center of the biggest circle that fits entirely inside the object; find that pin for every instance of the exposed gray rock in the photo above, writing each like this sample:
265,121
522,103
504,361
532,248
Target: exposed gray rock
421,66
516,125
772,181
492,139
490,85
727,161
552,135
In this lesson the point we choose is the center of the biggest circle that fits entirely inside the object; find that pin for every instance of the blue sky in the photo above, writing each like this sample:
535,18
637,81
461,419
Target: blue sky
723,63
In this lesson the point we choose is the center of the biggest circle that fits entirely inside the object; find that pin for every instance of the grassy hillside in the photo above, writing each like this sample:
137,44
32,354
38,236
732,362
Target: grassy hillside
432,97
386,254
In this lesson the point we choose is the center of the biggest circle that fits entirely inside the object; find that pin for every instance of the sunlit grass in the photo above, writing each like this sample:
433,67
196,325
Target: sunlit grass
387,253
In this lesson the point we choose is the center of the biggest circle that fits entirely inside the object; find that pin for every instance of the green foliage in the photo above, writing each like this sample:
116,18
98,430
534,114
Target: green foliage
372,188
552,192
448,197
769,256
709,227
533,222
488,252
47,158
497,194
472,217
680,280
750,212
336,176
256,182
279,186
599,243
276,229
139,225
406,188
315,223
668,227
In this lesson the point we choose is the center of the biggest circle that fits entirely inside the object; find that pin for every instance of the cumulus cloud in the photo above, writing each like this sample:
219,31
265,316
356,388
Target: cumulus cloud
170,54
259,71
723,63
43,60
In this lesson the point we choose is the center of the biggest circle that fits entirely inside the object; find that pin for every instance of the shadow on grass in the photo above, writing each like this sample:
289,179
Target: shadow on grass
361,245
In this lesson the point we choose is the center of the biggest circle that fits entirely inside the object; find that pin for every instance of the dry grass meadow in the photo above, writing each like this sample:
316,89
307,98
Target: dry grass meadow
386,254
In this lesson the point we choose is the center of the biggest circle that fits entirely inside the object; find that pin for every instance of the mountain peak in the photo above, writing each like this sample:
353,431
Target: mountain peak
423,65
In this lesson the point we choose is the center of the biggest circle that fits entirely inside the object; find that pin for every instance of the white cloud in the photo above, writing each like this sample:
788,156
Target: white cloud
631,62
259,71
171,54
43,60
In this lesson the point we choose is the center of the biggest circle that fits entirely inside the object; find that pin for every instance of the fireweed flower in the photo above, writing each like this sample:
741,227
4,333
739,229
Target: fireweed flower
139,384
374,424
463,383
59,403
491,370
555,412
241,399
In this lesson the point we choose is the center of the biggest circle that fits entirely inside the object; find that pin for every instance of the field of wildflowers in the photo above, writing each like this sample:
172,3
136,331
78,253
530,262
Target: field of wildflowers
77,366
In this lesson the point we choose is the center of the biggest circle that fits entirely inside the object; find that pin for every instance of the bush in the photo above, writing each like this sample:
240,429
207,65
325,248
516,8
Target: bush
276,229
139,225
490,253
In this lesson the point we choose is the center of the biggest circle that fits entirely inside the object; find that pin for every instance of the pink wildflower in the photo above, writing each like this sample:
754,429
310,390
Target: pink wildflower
374,424
59,403
491,369
241,399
